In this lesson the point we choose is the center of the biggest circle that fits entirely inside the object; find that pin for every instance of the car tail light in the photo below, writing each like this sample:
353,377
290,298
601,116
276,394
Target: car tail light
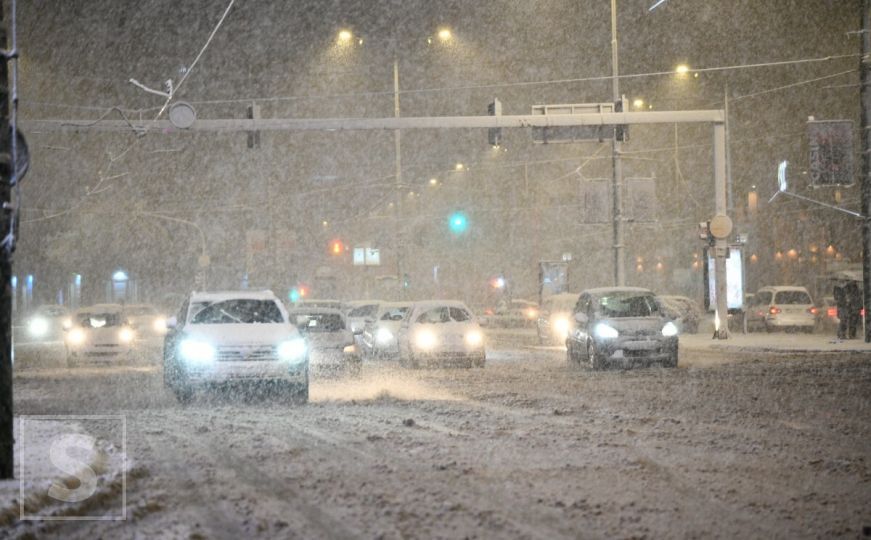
862,312
813,311
832,312
774,310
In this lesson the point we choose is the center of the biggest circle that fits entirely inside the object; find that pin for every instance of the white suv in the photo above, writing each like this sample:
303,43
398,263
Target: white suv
233,337
782,308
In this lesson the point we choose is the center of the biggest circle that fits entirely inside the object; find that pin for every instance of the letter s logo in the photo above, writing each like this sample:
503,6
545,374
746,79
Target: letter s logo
73,466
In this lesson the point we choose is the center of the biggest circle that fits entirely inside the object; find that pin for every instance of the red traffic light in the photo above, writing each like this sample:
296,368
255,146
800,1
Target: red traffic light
336,247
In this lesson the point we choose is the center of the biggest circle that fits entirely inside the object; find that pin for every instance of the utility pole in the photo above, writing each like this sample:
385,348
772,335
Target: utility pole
616,147
865,98
397,142
7,443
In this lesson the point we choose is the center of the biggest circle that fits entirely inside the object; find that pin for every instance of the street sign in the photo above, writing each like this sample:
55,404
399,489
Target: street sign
830,144
570,134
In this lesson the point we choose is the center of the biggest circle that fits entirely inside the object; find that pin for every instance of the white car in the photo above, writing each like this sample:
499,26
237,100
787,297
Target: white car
379,335
782,308
221,338
48,323
331,344
440,332
98,333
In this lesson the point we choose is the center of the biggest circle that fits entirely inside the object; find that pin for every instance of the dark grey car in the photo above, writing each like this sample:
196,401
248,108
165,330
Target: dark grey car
621,326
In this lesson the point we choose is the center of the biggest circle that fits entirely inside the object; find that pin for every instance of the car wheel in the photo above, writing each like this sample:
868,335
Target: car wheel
72,361
571,357
184,392
597,361
354,368
479,362
672,360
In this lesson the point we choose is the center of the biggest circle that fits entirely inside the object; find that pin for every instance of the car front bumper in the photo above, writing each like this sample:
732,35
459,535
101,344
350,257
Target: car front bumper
229,371
629,349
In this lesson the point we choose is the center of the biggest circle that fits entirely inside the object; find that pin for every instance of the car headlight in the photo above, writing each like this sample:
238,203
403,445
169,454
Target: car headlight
350,349
126,335
197,352
67,323
474,338
604,331
425,339
76,336
292,350
561,325
38,327
159,325
383,336
669,330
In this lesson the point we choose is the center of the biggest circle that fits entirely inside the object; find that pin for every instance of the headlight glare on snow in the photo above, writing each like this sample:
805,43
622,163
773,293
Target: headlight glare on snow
669,330
38,327
425,339
383,336
197,352
126,335
604,331
76,336
292,350
474,338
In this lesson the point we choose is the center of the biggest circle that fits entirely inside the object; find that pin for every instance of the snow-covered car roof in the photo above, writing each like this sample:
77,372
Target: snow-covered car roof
599,291
302,310
221,296
783,288
384,306
358,303
429,304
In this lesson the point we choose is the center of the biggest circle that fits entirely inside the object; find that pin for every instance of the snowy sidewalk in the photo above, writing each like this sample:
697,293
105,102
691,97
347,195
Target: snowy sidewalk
775,342
63,471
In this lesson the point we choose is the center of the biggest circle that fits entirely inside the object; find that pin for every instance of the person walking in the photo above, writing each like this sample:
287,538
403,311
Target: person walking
854,308
840,295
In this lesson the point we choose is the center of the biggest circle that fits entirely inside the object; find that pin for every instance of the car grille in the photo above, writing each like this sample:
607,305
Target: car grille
247,353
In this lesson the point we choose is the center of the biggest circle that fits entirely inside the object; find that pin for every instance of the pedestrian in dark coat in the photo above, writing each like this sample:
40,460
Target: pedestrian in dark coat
840,295
854,307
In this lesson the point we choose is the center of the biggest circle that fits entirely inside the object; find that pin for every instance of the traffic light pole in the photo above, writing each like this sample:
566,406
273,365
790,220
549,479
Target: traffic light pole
617,179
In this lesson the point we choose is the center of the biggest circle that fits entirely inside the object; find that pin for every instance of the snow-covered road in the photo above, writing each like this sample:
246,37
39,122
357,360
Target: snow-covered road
724,446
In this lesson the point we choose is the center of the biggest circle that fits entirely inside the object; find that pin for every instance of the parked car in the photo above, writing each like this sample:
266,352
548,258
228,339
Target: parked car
621,326
379,334
555,318
440,333
331,344
146,320
361,311
683,311
99,333
48,322
220,338
782,308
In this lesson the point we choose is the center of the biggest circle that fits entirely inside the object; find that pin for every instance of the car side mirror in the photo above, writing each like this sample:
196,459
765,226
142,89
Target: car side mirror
171,322
581,318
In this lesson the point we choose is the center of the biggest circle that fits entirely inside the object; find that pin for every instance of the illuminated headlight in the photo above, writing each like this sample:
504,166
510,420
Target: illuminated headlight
561,325
38,327
67,323
670,329
126,335
159,325
292,350
383,336
603,331
425,339
197,352
350,349
474,338
76,336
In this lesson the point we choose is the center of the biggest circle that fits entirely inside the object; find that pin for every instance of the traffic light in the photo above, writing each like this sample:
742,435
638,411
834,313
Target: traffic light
705,232
294,295
494,135
458,223
621,130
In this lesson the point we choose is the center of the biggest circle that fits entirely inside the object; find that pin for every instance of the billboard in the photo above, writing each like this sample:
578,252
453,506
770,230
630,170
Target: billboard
734,280
831,152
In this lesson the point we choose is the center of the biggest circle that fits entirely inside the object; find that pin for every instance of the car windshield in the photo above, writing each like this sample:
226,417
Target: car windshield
237,311
99,320
320,322
364,311
627,304
792,297
395,314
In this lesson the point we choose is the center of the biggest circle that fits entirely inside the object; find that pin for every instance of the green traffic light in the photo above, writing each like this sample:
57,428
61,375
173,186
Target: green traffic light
458,223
